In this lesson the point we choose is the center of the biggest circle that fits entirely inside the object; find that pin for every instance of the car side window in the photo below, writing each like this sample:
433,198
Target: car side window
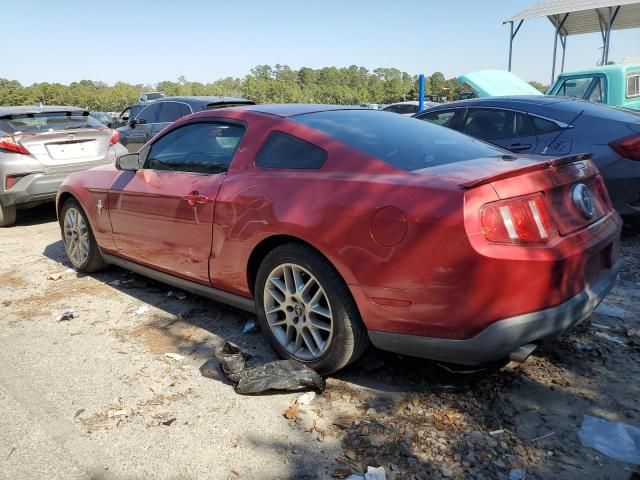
542,125
281,150
441,117
203,147
407,108
186,110
150,114
170,112
597,92
494,124
633,85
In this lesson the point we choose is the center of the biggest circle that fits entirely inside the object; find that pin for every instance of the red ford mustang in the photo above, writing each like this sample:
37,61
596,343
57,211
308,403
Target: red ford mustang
341,227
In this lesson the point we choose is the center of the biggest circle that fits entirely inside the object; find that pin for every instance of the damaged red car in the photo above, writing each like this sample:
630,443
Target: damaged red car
341,227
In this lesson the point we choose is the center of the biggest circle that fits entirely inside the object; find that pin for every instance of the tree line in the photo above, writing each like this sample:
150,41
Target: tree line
264,84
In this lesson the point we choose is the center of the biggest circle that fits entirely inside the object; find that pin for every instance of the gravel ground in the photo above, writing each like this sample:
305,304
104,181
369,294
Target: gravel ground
97,397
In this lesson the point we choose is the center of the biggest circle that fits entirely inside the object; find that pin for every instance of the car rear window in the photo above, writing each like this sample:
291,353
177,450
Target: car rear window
403,142
47,121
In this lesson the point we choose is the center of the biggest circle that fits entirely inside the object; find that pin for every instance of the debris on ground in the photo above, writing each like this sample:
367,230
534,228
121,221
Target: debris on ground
616,440
373,473
211,369
232,361
175,356
273,376
168,423
611,310
611,338
142,309
66,316
306,398
249,327
55,276
292,412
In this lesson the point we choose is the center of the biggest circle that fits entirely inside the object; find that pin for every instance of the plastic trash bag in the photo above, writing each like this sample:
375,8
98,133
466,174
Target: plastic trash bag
619,441
279,375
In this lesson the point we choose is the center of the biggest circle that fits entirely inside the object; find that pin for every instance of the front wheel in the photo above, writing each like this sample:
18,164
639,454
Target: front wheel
306,310
79,242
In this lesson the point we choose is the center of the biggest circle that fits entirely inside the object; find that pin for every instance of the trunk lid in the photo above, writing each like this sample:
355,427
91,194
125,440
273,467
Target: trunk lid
58,137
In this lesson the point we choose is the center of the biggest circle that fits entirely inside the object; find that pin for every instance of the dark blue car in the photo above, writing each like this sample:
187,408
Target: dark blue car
556,126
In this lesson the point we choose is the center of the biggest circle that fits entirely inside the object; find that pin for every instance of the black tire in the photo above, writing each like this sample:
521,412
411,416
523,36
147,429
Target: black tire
349,338
94,260
7,215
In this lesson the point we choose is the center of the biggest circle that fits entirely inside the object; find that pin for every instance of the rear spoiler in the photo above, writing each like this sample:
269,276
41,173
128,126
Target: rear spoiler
554,163
28,113
215,105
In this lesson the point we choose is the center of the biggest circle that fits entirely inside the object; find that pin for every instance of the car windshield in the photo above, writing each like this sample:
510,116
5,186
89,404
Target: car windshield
403,142
47,121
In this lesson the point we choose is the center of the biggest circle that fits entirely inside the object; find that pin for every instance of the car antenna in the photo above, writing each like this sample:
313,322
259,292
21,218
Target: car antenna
544,152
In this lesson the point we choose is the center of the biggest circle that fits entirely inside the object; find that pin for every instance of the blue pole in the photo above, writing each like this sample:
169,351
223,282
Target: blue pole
421,92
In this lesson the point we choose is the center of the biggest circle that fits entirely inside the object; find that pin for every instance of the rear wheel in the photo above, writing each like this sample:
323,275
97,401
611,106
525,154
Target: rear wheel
77,236
306,310
7,215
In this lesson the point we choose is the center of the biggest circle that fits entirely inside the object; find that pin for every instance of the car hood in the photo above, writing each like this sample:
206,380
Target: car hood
496,83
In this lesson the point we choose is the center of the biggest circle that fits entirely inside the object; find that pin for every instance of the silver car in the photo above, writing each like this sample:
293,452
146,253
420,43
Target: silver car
39,146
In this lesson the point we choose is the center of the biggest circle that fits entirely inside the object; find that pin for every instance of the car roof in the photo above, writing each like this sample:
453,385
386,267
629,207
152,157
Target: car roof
293,109
201,99
26,109
620,67
514,99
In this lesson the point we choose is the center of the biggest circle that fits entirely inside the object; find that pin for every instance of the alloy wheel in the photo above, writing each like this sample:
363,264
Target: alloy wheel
76,236
298,311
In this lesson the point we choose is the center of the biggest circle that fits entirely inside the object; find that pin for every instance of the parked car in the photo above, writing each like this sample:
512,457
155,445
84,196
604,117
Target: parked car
128,113
616,85
157,115
39,146
150,97
407,108
104,118
545,125
340,226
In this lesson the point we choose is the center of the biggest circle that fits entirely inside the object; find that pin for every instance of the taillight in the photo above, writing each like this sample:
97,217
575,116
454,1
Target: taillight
518,221
603,192
115,137
628,147
10,143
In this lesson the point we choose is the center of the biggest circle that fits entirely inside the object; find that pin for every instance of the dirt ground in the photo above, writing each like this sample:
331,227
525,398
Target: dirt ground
97,397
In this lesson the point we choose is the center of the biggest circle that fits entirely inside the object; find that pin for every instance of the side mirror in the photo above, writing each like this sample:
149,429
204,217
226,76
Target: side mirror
129,162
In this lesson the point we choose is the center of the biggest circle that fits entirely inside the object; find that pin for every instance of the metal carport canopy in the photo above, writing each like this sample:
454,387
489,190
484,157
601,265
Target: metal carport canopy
586,16
574,17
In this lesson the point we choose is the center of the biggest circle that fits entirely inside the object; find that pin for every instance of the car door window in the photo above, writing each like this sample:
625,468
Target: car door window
170,112
150,114
494,124
197,147
575,87
442,117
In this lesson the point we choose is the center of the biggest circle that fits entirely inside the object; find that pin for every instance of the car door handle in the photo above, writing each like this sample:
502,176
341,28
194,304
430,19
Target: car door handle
194,198
516,147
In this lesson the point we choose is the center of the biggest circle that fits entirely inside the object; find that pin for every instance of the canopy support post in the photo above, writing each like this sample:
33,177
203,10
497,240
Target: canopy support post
512,35
559,26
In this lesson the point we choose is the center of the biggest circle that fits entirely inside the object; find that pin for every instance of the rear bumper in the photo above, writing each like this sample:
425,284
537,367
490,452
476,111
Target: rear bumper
501,338
40,186
36,187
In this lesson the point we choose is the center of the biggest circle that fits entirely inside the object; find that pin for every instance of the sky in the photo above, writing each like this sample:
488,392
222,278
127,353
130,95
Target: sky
147,42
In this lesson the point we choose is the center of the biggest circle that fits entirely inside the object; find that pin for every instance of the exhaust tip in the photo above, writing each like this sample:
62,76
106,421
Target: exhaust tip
522,353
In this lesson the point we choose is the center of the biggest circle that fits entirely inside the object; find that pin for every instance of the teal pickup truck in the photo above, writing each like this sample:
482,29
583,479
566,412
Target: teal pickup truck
616,85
